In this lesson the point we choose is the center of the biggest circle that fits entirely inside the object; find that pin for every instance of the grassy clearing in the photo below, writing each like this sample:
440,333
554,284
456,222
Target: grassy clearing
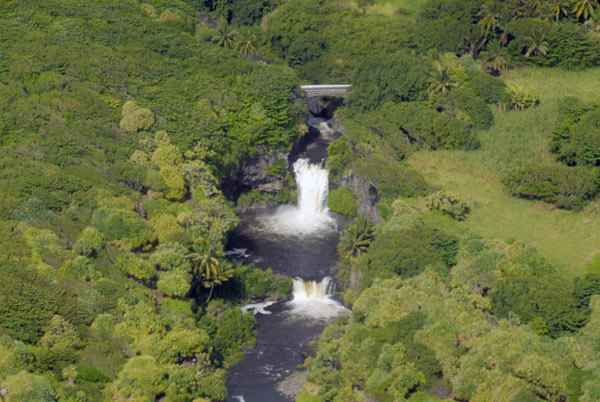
407,8
569,239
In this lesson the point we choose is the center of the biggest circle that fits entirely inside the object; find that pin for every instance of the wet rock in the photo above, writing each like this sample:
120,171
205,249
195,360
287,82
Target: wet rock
292,385
365,192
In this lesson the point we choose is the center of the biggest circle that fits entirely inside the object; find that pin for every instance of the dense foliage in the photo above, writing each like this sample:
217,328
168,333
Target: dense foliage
121,121
117,127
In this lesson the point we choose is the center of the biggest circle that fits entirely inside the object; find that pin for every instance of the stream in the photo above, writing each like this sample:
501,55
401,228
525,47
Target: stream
299,242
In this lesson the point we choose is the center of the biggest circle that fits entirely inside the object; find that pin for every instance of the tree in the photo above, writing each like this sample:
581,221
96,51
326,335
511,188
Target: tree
89,242
224,35
208,267
492,17
141,379
536,43
135,266
356,239
440,80
26,387
247,43
135,118
558,7
495,56
584,8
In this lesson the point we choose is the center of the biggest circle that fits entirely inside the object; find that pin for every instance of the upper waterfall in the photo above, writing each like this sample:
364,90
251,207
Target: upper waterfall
313,188
311,214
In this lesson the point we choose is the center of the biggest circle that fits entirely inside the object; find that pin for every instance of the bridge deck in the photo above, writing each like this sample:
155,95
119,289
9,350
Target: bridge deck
325,90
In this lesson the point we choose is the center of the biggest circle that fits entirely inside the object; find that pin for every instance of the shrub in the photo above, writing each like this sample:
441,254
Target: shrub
519,97
448,204
407,252
391,177
571,47
135,118
575,139
341,200
89,242
565,187
26,387
548,302
338,157
465,101
487,87
404,76
134,266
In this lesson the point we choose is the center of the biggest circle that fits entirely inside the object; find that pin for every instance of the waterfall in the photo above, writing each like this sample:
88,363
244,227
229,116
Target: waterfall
310,216
313,299
312,289
313,188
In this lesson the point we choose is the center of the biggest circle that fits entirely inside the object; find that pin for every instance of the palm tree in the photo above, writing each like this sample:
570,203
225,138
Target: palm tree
356,238
495,56
558,7
491,17
247,43
207,267
536,43
440,80
224,35
584,8
476,40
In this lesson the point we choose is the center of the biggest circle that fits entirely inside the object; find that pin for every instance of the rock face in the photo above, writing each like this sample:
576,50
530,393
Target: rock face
366,193
255,173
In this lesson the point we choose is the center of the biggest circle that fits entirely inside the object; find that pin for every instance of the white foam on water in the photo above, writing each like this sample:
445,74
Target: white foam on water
257,308
311,215
313,299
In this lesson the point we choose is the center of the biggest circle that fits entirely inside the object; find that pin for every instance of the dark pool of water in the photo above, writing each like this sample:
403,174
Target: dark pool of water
283,339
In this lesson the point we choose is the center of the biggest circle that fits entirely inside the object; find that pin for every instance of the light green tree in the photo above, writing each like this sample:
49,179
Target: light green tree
27,387
141,379
89,242
135,266
135,118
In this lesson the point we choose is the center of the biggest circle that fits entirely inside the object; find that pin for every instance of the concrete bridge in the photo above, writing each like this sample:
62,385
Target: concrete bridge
325,90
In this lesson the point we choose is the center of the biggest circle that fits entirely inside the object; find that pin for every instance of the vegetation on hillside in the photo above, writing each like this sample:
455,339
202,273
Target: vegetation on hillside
120,122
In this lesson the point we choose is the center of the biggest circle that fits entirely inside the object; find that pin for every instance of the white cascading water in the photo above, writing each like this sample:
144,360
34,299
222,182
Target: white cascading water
313,299
310,216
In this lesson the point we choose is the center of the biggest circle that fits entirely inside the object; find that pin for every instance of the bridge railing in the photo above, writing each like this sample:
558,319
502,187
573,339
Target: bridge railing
325,90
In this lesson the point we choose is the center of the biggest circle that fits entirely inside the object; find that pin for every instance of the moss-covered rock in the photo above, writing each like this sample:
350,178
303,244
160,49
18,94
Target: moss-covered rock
342,201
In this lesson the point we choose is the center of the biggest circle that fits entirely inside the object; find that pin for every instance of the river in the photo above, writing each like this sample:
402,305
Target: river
299,242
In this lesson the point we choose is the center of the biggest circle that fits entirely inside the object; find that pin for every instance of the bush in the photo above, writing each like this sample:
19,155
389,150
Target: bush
575,139
487,87
464,101
391,77
448,204
565,187
519,97
407,252
341,200
547,302
338,157
392,178
572,48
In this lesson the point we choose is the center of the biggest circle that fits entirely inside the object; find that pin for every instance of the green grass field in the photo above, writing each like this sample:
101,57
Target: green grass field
570,240
407,8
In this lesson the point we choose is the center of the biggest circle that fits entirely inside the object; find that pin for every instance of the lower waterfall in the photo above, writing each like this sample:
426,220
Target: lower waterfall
314,299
